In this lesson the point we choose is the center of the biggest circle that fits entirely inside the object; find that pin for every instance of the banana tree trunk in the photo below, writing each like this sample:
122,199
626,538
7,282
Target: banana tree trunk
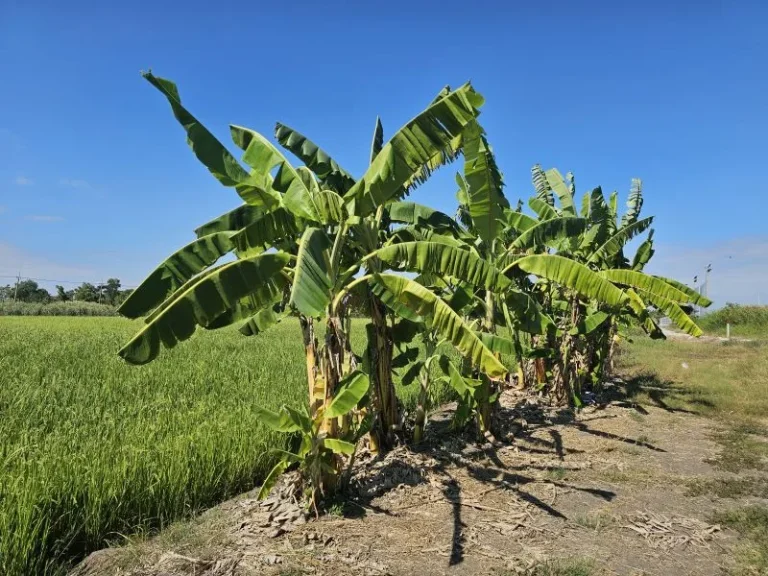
315,380
384,397
486,408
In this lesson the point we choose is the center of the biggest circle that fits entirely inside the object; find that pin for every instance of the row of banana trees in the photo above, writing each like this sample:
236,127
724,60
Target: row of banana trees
534,300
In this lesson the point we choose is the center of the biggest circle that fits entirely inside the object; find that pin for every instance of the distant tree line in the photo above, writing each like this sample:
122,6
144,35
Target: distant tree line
29,291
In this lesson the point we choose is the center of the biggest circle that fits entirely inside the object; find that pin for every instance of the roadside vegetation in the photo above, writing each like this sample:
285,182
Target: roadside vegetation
745,321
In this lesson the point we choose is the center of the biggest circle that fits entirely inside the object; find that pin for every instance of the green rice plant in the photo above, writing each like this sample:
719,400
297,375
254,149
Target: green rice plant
92,449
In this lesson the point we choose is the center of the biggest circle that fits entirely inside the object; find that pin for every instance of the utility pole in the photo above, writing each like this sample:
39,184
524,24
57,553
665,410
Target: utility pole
16,290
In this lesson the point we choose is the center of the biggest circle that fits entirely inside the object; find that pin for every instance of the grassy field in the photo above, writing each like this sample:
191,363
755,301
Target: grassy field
727,381
93,449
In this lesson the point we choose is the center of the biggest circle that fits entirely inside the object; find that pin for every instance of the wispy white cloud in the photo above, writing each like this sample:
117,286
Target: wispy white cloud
739,268
76,183
45,218
23,181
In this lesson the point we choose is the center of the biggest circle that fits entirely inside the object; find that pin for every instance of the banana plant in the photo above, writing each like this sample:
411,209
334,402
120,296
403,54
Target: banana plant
298,242
319,455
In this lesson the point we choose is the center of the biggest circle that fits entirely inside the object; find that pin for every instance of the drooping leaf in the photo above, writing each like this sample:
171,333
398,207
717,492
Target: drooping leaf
312,283
262,320
557,184
646,283
265,296
428,140
573,275
283,421
265,231
519,221
543,210
174,272
264,157
201,302
316,159
497,344
644,253
443,260
213,155
693,296
527,313
673,311
548,232
485,197
441,318
272,478
349,393
339,446
233,220
590,323
420,215
598,209
615,243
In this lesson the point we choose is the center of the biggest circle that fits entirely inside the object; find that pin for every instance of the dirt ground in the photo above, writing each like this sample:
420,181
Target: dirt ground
606,488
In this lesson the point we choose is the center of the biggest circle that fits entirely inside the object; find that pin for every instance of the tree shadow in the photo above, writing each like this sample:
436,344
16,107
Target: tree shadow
659,392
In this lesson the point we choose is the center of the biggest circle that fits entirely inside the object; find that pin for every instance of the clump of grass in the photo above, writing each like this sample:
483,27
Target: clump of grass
557,473
577,567
594,521
752,523
740,451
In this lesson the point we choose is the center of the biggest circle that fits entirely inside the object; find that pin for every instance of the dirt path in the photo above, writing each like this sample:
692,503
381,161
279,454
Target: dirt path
607,489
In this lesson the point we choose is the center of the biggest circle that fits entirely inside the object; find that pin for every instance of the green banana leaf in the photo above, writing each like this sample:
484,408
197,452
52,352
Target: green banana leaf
590,323
441,318
543,210
339,446
330,207
428,140
312,283
201,303
272,478
634,203
557,184
175,271
261,321
585,205
518,221
496,344
442,260
233,220
264,157
644,253
541,185
672,310
645,282
349,393
640,310
485,197
377,142
265,231
420,215
213,155
325,168
693,296
572,275
528,315
549,232
616,242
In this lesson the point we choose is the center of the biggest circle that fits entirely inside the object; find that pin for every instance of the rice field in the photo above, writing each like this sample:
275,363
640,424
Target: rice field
92,450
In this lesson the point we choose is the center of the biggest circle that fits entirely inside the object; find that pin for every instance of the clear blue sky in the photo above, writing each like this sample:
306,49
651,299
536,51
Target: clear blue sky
96,179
